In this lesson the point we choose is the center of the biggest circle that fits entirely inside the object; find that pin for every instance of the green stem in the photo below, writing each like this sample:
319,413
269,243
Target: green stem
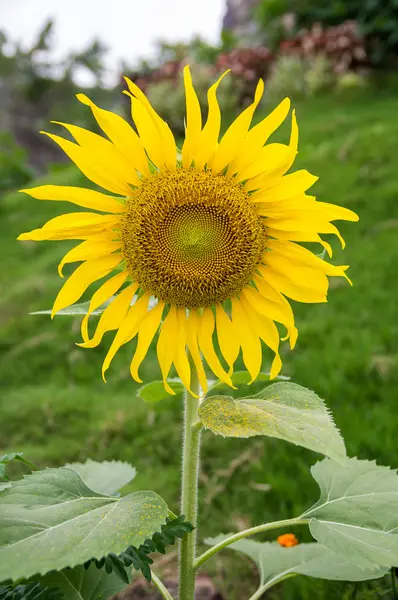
394,585
189,491
261,590
164,592
243,534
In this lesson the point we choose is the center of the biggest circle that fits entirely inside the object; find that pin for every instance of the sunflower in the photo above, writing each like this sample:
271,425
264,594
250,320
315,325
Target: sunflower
196,248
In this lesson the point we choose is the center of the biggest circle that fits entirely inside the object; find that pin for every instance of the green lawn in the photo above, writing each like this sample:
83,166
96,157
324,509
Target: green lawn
55,407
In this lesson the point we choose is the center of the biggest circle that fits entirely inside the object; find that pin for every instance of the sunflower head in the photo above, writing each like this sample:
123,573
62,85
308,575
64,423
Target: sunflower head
192,249
192,239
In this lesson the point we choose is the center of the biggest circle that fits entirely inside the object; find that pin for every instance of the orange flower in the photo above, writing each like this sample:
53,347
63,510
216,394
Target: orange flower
287,540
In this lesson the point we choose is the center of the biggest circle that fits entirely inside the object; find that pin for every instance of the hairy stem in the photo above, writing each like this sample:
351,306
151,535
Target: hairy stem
164,592
247,533
189,491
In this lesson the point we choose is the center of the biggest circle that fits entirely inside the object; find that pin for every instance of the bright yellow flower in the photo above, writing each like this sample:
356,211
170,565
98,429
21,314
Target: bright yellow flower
201,247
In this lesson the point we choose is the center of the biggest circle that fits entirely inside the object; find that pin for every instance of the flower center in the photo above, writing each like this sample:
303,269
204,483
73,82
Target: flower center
191,238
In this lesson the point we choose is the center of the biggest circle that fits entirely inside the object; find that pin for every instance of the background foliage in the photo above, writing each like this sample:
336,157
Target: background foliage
53,403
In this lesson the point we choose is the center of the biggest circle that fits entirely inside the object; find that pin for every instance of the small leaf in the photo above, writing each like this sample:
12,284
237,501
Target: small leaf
357,513
154,391
76,309
84,584
283,410
313,560
7,458
50,520
82,308
106,477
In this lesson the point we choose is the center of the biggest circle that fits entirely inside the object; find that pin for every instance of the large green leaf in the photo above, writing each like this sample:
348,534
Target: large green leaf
105,477
282,410
51,520
357,513
84,584
313,560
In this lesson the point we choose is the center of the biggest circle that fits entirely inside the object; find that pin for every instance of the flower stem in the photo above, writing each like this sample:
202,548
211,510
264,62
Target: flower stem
164,592
189,491
394,585
246,533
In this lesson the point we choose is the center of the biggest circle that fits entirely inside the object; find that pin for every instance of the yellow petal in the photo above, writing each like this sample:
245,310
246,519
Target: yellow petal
233,138
205,339
148,132
193,347
127,330
70,225
275,311
258,136
113,316
268,332
121,134
276,297
180,360
305,206
248,339
103,152
301,293
166,346
304,276
148,328
274,160
208,139
93,166
106,291
335,212
194,120
80,196
299,255
305,226
88,250
166,138
268,158
81,278
270,190
299,236
227,338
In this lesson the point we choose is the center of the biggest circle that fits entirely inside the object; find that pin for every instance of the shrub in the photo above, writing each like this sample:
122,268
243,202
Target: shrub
341,45
377,21
297,77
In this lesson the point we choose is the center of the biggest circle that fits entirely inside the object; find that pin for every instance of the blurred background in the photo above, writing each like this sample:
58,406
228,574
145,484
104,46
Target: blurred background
338,62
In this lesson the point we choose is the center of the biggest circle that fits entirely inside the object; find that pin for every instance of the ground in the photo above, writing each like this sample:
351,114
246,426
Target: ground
55,407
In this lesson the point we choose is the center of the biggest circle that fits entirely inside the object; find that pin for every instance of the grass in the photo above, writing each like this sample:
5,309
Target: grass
55,407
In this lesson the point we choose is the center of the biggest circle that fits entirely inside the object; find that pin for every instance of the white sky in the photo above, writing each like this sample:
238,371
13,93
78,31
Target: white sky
128,27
